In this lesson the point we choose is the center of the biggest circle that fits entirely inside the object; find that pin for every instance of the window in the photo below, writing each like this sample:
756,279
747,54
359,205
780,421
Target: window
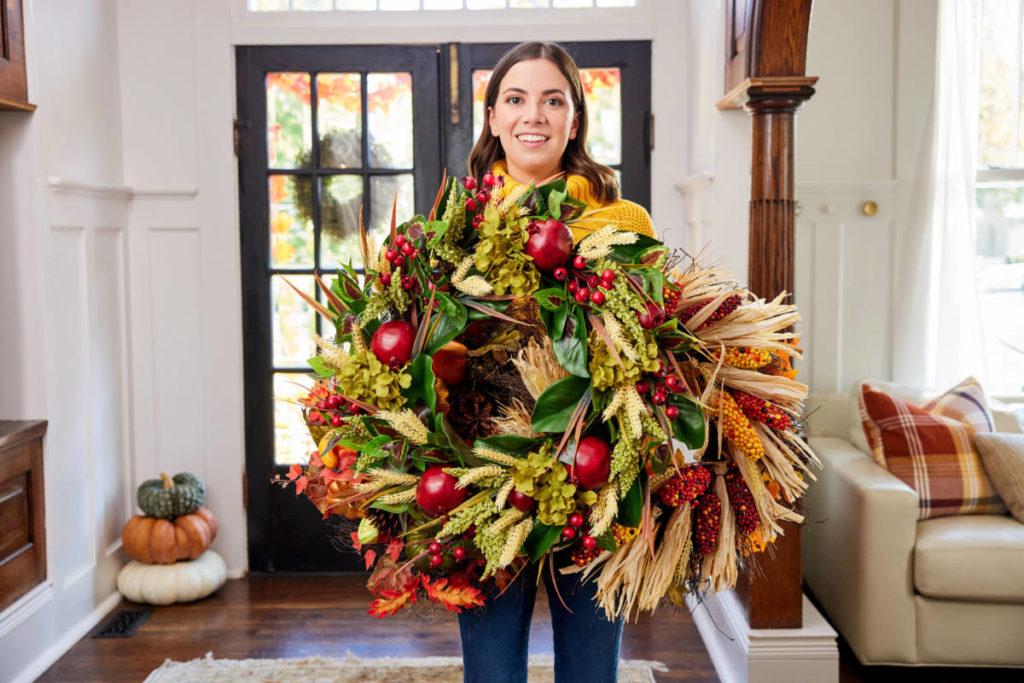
417,5
1000,193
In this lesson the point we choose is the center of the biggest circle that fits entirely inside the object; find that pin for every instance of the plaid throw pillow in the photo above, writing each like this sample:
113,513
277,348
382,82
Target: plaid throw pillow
930,447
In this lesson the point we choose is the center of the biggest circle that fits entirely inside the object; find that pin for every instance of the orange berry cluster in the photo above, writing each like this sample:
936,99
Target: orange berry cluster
684,487
724,309
741,501
747,358
624,534
671,298
736,427
756,408
707,516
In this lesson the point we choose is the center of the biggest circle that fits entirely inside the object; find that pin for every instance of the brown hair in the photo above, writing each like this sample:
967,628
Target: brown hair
575,159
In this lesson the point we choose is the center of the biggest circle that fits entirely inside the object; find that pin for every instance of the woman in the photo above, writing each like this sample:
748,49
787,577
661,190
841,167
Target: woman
536,132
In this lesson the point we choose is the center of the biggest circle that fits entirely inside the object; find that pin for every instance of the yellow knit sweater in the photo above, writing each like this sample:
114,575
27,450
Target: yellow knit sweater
622,213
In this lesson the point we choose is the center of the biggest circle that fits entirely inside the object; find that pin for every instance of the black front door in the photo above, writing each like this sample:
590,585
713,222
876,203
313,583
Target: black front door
324,131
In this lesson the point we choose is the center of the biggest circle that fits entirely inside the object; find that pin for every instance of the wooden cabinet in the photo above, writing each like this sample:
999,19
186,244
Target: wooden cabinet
13,74
22,509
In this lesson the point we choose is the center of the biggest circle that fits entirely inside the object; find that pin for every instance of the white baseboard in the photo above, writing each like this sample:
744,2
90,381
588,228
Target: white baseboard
45,660
745,655
26,606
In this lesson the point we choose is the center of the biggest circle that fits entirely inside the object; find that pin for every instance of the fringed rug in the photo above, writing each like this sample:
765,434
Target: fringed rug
352,669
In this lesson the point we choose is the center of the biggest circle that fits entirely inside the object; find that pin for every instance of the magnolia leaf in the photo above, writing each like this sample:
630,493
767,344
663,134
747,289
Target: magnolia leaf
688,427
540,540
555,407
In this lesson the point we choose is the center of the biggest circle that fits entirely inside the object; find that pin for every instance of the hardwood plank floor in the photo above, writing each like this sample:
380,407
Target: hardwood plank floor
282,616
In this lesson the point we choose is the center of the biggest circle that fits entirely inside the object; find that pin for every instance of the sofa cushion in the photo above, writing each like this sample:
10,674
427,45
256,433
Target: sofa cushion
929,447
1002,455
902,391
977,558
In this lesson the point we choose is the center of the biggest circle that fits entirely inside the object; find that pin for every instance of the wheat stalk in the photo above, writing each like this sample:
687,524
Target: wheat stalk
477,473
599,243
495,456
514,542
399,498
407,424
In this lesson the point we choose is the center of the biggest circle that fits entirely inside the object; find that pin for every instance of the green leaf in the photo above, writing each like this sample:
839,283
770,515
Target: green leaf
689,426
561,314
320,367
555,198
631,506
445,436
509,443
571,348
393,509
422,387
540,540
630,253
557,404
654,282
453,318
606,541
550,299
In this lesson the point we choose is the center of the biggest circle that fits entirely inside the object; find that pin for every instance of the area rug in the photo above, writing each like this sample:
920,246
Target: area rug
352,669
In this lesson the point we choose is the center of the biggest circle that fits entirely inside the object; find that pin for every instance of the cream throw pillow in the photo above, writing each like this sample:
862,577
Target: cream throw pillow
1002,456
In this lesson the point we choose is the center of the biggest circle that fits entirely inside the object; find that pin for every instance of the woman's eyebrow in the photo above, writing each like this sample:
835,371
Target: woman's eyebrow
549,91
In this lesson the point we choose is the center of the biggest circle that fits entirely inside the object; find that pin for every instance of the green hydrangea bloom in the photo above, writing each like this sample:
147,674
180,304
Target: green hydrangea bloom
607,374
542,477
366,379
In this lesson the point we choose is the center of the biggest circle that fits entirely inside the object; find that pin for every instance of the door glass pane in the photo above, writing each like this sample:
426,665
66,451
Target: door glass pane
389,110
399,5
485,4
442,4
358,5
999,103
528,4
289,123
292,320
602,89
383,190
292,442
314,5
291,224
339,120
340,200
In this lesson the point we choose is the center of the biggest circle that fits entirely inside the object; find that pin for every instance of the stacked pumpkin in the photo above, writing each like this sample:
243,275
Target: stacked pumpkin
169,544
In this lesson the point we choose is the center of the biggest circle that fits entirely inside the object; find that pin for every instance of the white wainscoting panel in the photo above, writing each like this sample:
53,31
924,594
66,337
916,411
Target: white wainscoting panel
111,392
69,495
843,282
175,316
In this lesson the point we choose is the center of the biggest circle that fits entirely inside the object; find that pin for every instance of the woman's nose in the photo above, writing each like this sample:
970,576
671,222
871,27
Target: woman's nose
534,113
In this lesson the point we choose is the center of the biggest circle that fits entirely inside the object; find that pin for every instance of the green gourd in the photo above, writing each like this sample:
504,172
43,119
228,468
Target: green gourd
169,497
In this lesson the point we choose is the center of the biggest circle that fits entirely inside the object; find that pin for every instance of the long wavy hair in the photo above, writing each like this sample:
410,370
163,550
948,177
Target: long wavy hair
575,159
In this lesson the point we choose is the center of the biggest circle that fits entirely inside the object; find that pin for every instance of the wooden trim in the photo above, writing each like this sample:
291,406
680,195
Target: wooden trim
16,105
23,512
797,88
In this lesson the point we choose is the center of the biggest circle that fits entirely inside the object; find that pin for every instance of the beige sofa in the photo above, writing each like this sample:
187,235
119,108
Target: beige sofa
944,591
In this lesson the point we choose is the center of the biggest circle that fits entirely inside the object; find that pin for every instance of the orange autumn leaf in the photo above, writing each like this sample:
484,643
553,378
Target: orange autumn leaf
390,602
300,485
454,598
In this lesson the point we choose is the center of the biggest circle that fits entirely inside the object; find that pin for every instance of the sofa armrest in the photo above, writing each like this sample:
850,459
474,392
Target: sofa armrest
858,545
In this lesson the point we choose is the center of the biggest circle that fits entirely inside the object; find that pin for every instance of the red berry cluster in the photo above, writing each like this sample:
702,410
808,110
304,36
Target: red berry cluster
329,411
756,408
741,501
659,386
726,307
585,286
691,482
478,198
587,549
402,249
707,517
437,551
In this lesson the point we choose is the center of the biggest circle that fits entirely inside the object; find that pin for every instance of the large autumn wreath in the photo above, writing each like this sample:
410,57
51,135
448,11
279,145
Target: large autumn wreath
497,399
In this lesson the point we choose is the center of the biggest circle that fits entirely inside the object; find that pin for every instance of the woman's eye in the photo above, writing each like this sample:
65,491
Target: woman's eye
514,99
555,102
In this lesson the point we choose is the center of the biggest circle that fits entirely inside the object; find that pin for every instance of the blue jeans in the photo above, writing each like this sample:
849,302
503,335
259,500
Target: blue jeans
496,636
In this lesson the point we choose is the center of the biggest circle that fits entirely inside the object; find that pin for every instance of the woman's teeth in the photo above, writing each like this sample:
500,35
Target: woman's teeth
532,139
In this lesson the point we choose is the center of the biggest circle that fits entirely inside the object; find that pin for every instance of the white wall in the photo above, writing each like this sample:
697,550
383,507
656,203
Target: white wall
63,346
859,138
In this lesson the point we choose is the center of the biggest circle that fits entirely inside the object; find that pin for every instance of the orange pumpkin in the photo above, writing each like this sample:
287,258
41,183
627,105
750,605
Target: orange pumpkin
164,541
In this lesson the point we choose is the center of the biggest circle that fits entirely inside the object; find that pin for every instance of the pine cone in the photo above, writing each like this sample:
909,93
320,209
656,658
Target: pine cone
471,414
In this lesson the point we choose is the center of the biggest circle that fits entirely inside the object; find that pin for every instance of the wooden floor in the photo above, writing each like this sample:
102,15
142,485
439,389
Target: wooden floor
284,616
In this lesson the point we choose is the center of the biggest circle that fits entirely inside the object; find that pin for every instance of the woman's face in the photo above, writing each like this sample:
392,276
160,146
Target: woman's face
535,118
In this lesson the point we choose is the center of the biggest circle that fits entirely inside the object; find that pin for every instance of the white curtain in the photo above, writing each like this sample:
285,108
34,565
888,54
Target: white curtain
937,333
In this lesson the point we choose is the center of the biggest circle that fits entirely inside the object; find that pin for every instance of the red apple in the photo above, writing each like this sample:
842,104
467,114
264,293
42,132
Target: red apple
392,342
593,463
436,493
520,501
550,244
449,363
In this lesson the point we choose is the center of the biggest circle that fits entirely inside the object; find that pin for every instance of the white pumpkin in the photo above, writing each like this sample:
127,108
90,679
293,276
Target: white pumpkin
166,584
